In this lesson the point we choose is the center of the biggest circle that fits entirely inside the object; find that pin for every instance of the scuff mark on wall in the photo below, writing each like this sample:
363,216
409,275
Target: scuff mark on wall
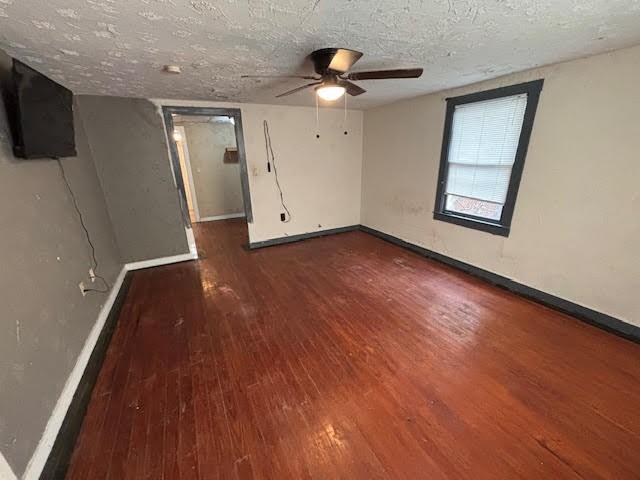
401,206
439,244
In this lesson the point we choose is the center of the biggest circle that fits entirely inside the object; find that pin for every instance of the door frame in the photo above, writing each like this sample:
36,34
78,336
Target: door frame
235,113
187,162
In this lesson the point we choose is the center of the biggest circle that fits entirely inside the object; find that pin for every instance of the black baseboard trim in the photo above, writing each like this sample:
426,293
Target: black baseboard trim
303,236
593,317
58,461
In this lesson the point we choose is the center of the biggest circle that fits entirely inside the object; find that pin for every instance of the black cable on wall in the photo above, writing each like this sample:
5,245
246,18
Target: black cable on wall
94,260
271,159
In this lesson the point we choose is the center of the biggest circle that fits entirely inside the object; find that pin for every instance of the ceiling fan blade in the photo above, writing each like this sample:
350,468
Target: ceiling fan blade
298,89
352,89
303,77
385,74
343,60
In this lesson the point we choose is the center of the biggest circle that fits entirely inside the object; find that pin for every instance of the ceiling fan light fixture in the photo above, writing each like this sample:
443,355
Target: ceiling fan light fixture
330,93
333,78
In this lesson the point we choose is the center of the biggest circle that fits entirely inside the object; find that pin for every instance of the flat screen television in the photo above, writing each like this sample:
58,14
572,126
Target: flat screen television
40,115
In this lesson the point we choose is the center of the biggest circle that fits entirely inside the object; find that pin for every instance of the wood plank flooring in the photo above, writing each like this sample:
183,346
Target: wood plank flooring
346,357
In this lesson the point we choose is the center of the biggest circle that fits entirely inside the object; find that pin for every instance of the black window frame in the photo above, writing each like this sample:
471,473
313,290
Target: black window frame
503,226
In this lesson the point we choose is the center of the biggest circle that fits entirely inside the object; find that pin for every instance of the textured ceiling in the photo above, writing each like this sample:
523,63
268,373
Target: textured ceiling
118,47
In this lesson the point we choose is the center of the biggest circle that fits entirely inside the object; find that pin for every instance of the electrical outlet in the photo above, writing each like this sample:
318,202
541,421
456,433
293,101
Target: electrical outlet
92,275
82,288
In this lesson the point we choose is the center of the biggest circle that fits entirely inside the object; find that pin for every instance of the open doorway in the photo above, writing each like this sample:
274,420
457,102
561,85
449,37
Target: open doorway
209,164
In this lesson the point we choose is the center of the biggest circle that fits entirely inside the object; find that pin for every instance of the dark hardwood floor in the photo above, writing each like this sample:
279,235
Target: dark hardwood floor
347,357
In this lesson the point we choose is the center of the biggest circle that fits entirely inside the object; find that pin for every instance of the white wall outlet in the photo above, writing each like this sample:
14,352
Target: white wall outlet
92,275
82,289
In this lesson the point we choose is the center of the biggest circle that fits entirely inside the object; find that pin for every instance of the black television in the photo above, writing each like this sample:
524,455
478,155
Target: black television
40,113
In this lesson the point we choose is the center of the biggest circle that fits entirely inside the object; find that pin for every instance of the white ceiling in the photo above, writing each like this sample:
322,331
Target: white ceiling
118,47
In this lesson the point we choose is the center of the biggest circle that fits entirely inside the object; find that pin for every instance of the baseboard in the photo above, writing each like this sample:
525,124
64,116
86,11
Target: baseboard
55,444
53,453
593,317
6,472
303,236
191,241
157,262
221,217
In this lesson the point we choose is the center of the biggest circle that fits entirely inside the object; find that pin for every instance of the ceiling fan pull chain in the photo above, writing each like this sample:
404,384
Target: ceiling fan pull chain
344,122
317,118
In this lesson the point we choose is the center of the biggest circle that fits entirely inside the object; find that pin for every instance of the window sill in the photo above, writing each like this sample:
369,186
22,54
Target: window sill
476,224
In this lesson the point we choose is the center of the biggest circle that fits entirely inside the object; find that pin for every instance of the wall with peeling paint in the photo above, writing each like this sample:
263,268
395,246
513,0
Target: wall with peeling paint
44,255
130,150
576,228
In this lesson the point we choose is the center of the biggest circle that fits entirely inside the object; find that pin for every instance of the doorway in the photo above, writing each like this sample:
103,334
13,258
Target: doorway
209,163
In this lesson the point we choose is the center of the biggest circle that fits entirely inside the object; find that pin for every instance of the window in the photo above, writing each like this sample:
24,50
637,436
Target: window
485,142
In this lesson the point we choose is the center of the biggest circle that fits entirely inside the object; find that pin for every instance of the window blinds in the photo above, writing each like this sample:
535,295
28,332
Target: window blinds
482,150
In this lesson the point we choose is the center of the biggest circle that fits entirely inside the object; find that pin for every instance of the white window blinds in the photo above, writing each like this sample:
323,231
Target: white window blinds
482,150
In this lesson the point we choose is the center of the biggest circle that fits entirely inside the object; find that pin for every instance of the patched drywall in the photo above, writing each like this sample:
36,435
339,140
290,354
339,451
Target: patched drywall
129,148
576,228
320,177
119,48
44,256
217,184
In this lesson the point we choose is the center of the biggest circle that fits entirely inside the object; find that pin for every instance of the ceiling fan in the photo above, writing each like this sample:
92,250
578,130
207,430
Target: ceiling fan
333,79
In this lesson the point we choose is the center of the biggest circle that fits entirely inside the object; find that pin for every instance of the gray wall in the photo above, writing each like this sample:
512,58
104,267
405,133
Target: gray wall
130,151
217,184
43,256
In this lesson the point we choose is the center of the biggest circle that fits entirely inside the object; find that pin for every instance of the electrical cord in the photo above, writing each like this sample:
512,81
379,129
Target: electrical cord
94,260
271,159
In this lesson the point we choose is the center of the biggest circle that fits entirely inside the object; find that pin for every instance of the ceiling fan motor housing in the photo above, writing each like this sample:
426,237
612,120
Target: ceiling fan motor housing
325,60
